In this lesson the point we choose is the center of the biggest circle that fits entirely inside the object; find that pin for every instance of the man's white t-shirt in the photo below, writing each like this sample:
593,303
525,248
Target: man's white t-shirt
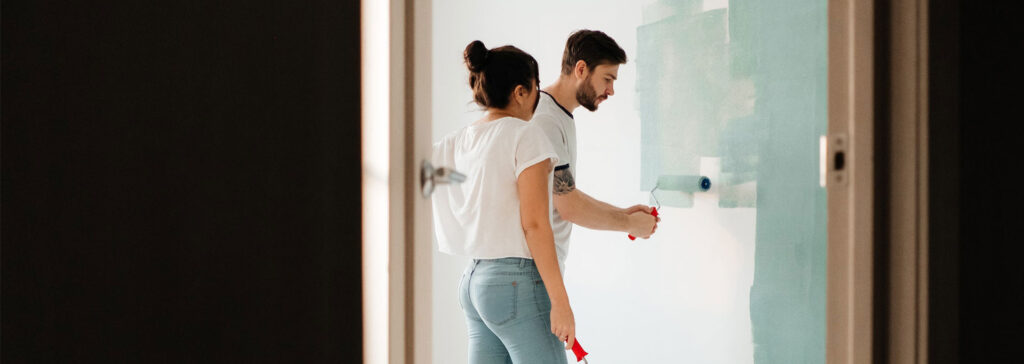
560,128
479,218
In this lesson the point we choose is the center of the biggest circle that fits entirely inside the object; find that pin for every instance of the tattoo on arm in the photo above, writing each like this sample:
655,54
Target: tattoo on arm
564,182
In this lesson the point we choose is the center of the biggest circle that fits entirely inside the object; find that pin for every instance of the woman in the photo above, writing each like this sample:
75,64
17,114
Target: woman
512,292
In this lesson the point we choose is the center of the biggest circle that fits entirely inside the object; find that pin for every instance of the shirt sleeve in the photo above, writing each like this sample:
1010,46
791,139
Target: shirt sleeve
555,134
442,153
533,147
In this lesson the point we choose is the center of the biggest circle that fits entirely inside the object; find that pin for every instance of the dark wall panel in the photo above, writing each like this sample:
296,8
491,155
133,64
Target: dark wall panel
991,285
976,281
180,181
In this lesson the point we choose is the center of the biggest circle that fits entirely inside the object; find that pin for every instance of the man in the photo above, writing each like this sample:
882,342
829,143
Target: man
590,66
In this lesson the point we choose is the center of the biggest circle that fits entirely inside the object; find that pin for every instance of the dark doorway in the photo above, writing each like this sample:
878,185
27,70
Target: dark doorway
181,181
976,287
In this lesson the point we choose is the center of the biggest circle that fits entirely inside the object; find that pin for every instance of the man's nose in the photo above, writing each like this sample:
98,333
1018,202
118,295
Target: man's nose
611,90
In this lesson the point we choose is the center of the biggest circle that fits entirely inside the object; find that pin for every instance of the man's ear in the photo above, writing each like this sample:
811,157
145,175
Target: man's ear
580,70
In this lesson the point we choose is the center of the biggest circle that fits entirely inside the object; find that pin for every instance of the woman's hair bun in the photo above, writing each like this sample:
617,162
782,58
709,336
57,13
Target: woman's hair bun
476,56
495,73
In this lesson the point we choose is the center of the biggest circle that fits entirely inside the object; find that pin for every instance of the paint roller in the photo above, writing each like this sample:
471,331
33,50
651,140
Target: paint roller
683,183
678,182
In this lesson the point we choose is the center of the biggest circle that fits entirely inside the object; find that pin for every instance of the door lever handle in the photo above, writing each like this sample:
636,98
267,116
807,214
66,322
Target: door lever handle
431,177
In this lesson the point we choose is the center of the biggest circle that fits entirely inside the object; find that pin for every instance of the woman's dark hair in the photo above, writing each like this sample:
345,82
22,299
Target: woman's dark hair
593,47
495,73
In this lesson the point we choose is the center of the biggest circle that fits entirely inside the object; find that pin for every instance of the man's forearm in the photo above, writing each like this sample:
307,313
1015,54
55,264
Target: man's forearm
581,209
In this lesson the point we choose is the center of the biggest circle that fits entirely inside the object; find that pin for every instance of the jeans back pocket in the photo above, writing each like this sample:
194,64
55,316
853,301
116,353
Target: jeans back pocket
496,302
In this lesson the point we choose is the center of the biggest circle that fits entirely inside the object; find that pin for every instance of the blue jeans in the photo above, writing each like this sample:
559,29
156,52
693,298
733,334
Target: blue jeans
508,313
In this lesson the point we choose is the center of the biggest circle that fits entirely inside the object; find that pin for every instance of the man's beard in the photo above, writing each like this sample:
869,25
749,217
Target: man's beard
586,95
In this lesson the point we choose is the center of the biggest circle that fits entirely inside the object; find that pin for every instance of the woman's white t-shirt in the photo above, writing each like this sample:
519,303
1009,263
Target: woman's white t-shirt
479,218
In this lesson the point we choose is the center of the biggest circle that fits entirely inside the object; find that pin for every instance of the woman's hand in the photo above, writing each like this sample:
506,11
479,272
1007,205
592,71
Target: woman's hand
563,324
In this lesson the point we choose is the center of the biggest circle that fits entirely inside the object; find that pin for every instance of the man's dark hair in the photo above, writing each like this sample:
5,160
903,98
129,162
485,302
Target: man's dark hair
593,47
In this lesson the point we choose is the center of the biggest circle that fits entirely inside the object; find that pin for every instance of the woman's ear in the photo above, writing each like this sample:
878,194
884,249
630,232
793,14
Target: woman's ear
521,94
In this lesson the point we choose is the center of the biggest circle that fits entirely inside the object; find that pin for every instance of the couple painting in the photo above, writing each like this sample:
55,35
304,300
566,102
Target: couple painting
513,214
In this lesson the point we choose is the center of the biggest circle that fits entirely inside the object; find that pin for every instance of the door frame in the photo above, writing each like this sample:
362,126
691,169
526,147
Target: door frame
903,287
396,132
878,221
851,204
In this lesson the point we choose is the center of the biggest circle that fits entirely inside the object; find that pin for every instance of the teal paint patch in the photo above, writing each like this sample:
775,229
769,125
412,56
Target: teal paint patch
682,74
747,84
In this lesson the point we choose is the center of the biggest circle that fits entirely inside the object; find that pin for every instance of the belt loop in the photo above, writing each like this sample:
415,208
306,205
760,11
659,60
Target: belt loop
522,263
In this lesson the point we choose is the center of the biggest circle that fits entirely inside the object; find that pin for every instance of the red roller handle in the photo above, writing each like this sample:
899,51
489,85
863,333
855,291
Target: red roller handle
578,350
654,212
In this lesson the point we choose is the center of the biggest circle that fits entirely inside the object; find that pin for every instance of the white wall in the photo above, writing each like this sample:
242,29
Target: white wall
682,295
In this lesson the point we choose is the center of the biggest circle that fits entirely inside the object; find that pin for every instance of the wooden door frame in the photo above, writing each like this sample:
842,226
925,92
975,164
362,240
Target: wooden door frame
879,220
409,263
851,205
397,280
903,87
